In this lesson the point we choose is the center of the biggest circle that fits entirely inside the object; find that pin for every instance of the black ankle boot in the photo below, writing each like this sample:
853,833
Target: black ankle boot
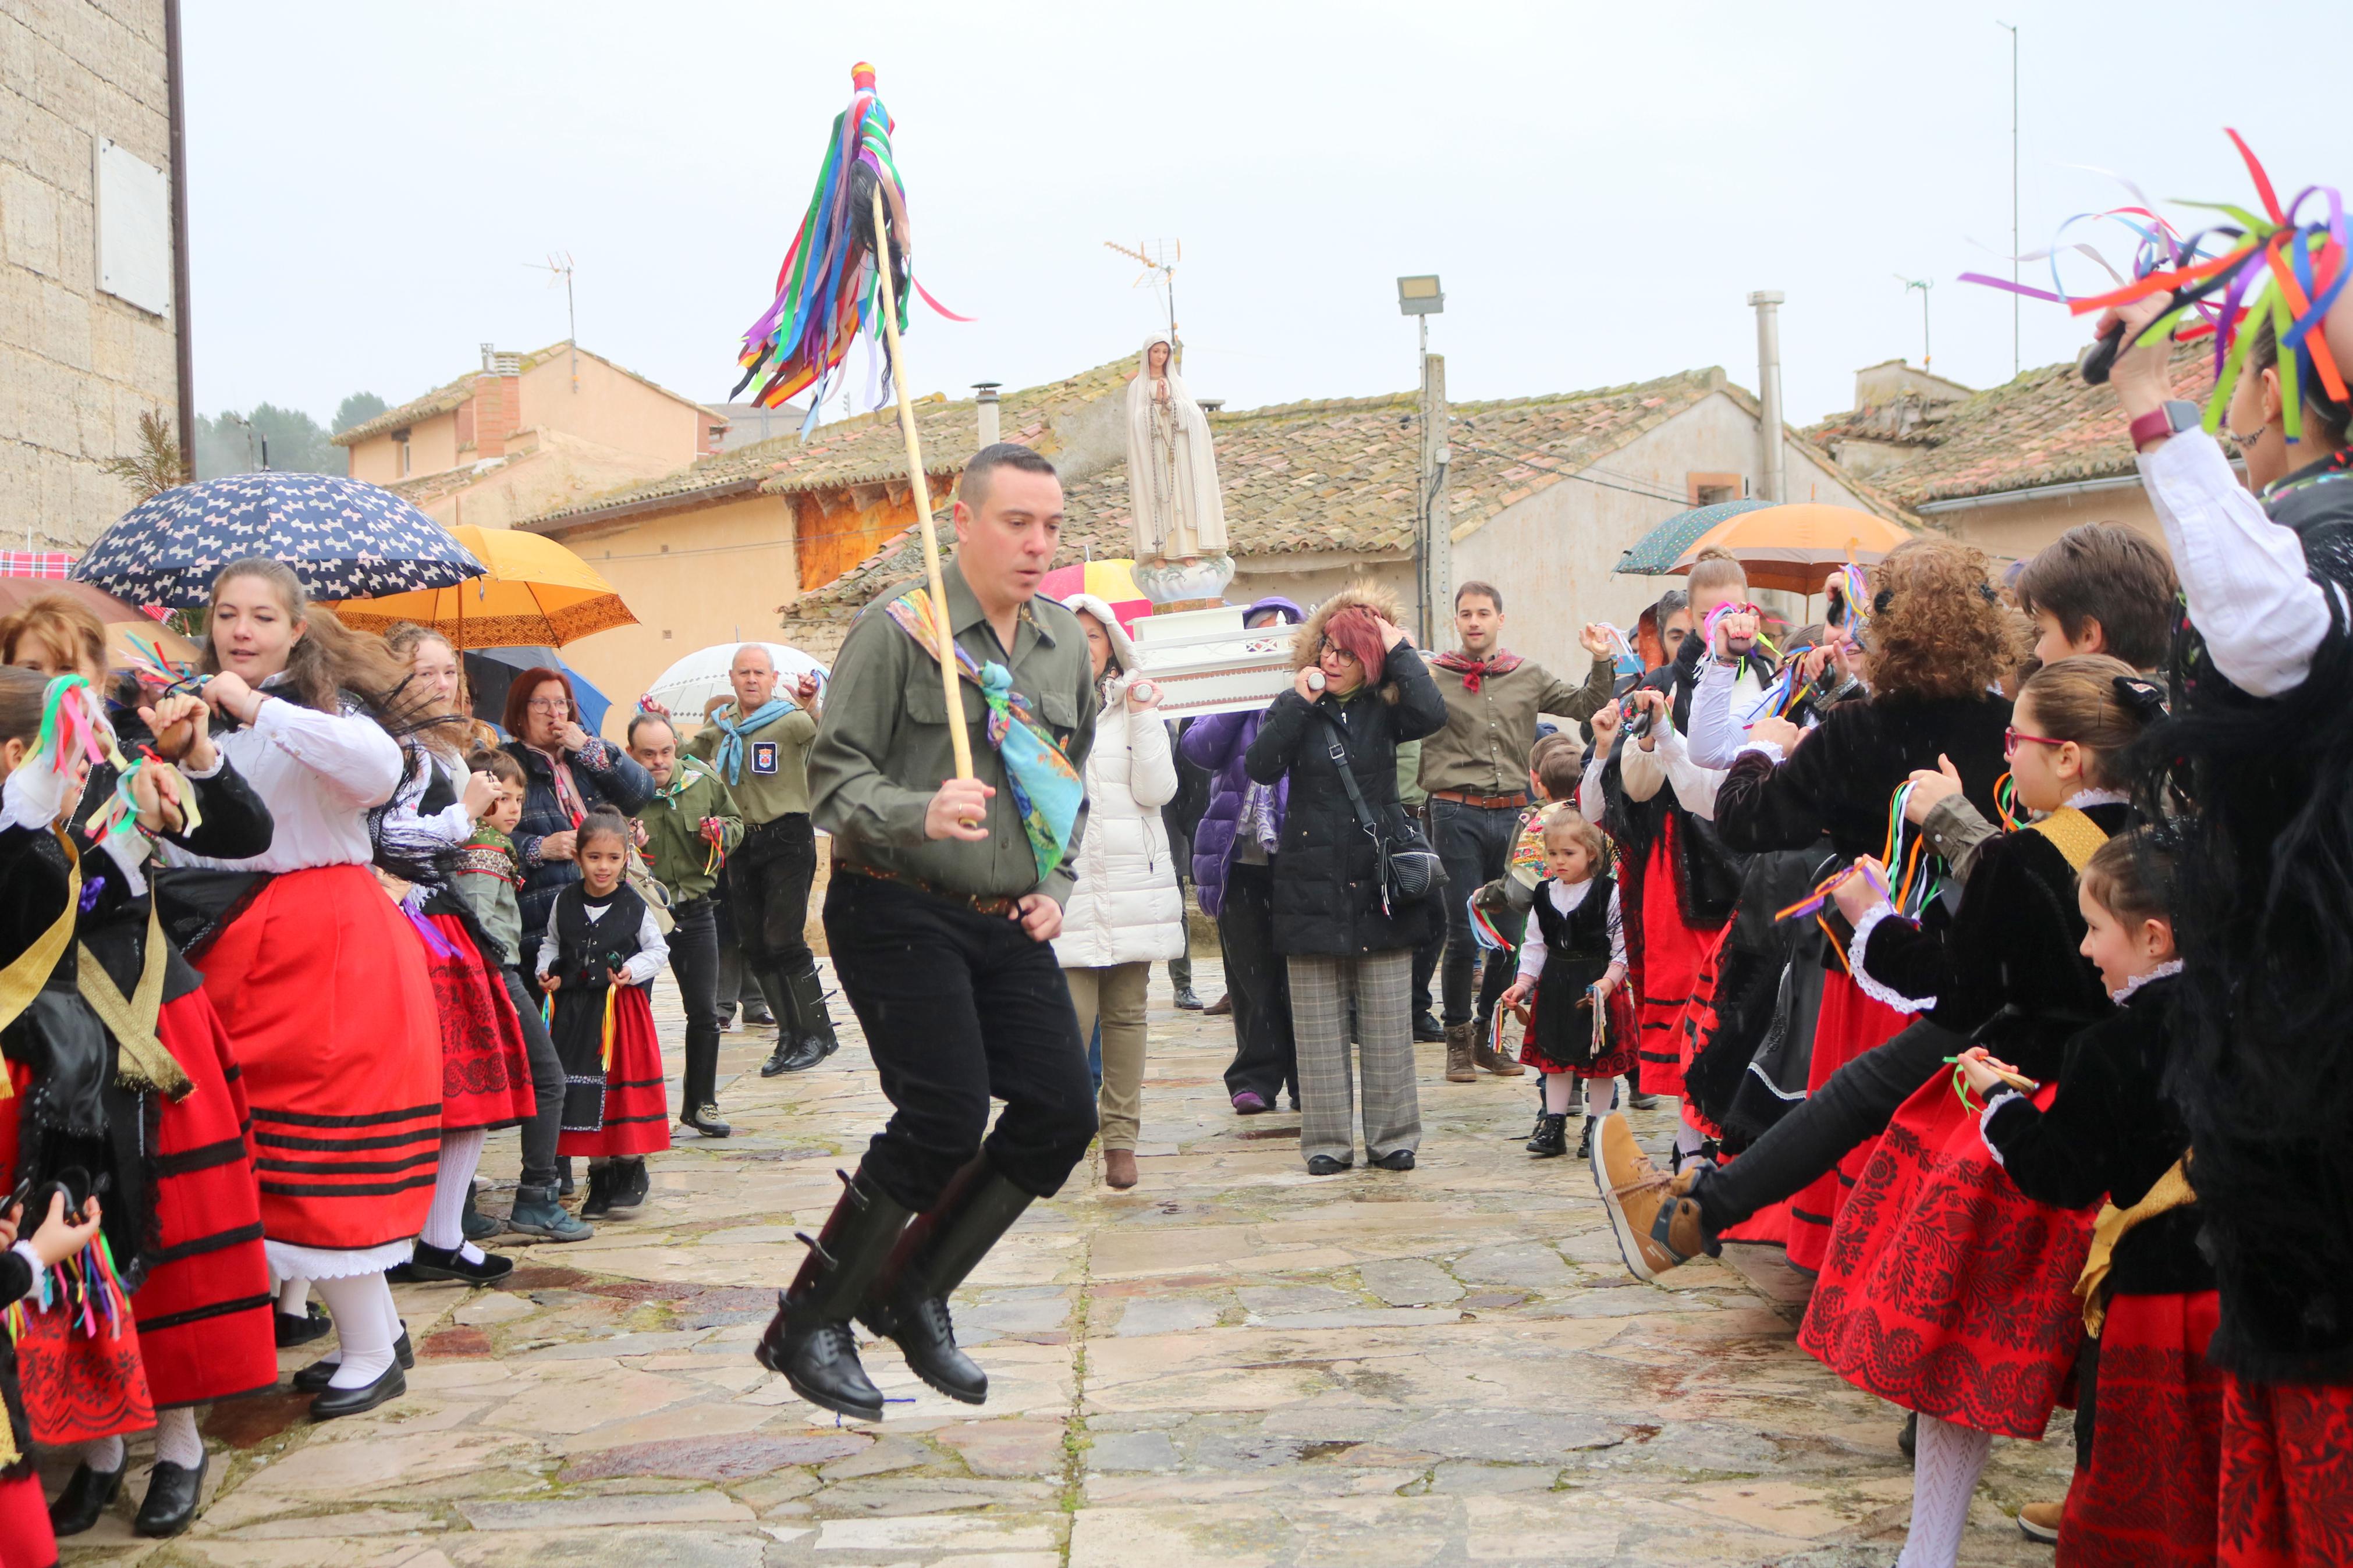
1552,1136
810,1339
909,1302
88,1495
599,1201
1584,1140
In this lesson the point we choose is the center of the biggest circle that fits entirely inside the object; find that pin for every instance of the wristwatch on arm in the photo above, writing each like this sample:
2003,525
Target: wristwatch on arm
2163,423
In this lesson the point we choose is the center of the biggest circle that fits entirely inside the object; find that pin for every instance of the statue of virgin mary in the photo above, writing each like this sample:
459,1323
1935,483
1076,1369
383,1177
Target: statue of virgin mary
1172,470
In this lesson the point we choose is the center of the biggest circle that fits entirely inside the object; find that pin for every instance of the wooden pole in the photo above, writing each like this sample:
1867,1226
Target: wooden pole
951,682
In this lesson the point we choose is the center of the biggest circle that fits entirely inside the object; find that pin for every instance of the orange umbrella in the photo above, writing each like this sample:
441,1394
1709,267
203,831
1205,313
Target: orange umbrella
535,594
1794,547
127,630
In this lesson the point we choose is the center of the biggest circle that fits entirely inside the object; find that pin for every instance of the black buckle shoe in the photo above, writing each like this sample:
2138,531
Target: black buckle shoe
319,1374
705,1119
334,1402
786,1047
433,1262
292,1330
169,1505
88,1495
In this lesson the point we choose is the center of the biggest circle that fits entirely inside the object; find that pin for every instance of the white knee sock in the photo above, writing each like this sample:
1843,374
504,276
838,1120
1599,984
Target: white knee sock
462,1151
1947,1461
1559,1093
103,1454
176,1441
294,1298
366,1325
1601,1096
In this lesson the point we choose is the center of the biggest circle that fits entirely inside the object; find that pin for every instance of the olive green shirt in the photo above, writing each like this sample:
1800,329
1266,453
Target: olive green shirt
676,851
776,764
1483,750
882,749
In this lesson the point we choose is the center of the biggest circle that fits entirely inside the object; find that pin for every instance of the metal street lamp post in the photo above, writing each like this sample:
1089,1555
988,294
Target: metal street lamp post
1422,298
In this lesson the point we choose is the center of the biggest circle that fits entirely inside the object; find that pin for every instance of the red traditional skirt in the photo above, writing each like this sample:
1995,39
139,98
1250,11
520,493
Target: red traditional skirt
1946,1291
1618,1050
78,1385
634,1117
25,1539
2149,1496
1673,954
323,987
205,1325
485,1068
1848,1025
2287,1474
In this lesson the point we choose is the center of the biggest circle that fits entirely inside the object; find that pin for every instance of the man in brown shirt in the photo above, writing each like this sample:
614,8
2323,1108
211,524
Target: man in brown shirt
1476,771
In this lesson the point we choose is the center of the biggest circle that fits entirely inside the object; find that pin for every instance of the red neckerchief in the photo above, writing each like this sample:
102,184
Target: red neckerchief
1474,670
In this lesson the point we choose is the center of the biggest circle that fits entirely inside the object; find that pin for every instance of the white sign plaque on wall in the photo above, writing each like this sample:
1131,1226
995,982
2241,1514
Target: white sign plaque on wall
134,230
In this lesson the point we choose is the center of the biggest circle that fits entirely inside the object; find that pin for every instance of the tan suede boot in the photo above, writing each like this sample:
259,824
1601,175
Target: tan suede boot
1495,1061
1460,1068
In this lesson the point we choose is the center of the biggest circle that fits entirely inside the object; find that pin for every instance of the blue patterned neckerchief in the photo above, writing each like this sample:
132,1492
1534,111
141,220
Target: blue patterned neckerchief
1047,789
732,730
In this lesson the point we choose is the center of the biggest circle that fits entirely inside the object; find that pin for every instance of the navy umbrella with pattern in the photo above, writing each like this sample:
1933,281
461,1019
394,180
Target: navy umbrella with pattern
344,539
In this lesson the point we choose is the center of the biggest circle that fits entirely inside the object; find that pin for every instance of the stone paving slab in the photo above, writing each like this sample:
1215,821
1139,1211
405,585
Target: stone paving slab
1232,1363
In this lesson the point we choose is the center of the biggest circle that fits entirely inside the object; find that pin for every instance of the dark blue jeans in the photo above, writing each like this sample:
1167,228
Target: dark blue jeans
1474,842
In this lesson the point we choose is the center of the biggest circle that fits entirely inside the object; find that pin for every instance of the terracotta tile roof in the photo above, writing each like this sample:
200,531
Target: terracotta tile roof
867,449
1333,476
450,394
2044,427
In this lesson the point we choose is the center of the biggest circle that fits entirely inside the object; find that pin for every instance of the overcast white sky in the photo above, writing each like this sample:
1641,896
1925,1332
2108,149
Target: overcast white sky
1599,186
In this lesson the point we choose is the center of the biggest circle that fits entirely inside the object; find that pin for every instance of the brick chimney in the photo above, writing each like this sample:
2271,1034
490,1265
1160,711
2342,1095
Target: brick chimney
496,406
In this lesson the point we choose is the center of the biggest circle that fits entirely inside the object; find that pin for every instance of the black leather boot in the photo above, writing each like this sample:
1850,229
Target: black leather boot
813,1035
810,1339
1552,1136
787,1020
909,1302
1584,1140
599,1201
88,1495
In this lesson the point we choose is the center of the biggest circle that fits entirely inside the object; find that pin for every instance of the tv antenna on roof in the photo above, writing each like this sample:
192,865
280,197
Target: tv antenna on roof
561,267
1927,361
1159,256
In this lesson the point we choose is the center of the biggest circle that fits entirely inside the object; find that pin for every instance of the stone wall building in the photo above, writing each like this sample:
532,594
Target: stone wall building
88,334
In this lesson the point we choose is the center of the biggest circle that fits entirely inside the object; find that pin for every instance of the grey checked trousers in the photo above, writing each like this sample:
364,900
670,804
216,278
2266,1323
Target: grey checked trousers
1381,986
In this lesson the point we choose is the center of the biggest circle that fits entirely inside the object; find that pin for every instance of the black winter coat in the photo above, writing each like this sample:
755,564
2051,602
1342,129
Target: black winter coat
1841,778
1327,896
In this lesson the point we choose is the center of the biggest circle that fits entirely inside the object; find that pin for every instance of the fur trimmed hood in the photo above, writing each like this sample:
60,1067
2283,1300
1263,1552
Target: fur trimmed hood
1372,596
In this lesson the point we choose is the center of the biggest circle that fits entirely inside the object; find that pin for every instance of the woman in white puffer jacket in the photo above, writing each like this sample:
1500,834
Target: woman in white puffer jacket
1126,911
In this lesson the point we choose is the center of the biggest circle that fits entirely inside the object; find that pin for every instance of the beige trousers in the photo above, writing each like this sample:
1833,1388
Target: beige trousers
1115,994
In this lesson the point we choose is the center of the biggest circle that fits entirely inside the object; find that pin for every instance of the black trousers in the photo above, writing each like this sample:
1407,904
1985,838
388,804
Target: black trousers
771,873
694,963
1258,980
1474,845
960,1008
539,1133
1855,1104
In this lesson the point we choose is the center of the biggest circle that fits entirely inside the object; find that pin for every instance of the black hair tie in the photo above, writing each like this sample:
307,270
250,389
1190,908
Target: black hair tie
1990,596
2144,699
1881,600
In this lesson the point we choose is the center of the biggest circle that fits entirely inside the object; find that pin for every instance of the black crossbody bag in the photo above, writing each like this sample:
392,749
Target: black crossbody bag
1409,868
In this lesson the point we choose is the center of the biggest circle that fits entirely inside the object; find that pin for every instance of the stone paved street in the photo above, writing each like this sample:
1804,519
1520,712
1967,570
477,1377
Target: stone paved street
1234,1363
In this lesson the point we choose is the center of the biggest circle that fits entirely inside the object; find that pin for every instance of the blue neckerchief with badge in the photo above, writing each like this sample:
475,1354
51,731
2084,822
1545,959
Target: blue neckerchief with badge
734,731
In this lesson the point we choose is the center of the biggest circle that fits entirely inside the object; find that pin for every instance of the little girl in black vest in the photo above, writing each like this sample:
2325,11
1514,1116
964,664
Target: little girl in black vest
1573,963
601,952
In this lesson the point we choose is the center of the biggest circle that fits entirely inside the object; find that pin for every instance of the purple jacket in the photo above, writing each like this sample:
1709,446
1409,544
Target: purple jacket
1217,743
